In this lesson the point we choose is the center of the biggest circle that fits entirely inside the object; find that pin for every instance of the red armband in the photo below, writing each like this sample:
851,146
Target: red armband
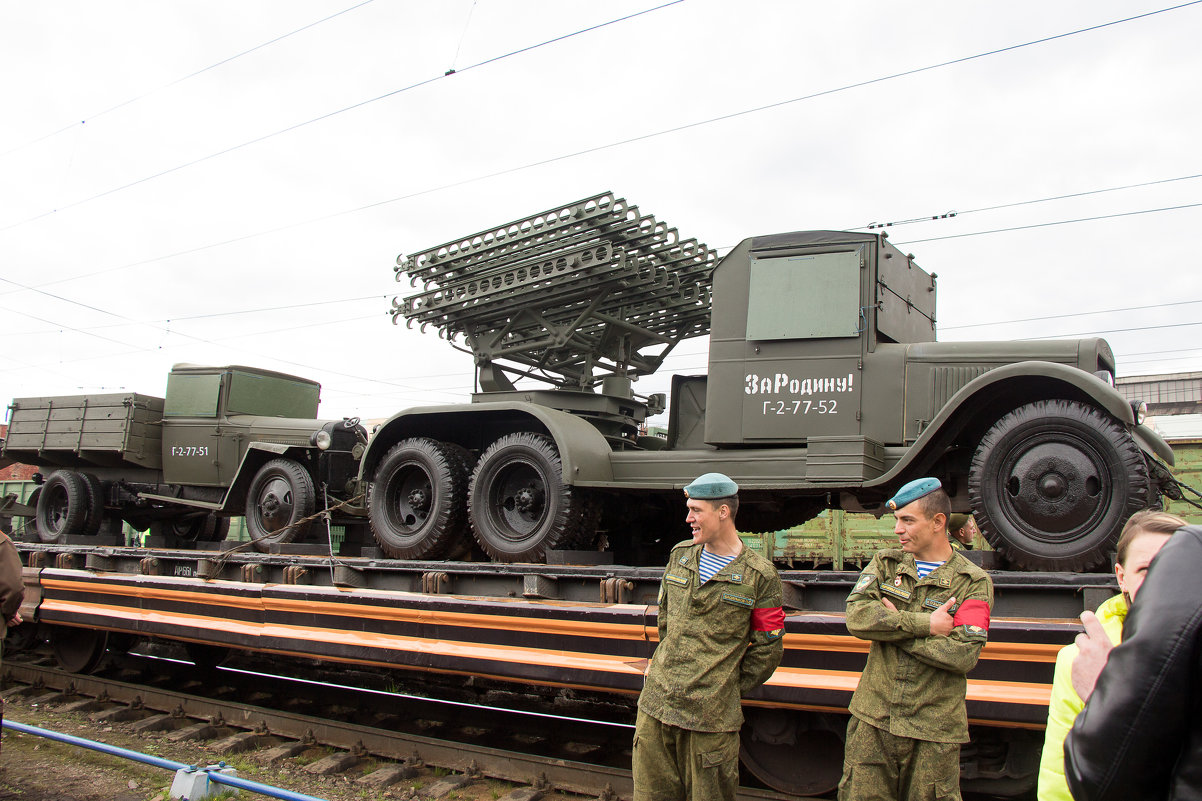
972,612
768,619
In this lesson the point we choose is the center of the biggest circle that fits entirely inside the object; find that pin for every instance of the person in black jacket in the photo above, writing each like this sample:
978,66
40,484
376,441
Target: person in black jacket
1140,734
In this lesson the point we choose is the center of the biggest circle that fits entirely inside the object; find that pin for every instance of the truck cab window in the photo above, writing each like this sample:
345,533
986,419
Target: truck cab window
271,396
804,296
192,395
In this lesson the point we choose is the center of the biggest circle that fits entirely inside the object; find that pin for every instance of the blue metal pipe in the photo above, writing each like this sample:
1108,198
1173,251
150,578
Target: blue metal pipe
136,756
214,775
262,789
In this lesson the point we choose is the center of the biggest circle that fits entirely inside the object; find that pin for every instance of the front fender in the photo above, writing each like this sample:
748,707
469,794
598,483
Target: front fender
257,454
583,451
1025,382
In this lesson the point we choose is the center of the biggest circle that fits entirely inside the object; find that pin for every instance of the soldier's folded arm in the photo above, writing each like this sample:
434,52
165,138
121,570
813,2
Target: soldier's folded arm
957,652
869,619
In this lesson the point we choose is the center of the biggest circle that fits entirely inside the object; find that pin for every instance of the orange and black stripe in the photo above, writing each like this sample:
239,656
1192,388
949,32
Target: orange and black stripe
600,647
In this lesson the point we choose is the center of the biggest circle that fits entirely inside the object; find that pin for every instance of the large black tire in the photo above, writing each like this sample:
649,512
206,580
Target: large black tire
519,505
417,502
281,494
95,492
62,506
1052,483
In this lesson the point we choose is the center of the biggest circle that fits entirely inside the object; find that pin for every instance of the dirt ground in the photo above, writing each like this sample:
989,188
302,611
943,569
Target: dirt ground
36,769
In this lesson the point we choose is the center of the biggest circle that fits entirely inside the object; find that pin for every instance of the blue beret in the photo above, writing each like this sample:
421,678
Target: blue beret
912,492
711,486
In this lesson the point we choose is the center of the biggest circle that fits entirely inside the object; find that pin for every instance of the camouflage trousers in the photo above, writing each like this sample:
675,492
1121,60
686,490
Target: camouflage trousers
879,766
675,764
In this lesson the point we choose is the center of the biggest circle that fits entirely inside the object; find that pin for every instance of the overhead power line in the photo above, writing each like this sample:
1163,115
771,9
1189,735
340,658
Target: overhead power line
949,214
1073,314
189,76
330,114
531,165
1116,331
1050,224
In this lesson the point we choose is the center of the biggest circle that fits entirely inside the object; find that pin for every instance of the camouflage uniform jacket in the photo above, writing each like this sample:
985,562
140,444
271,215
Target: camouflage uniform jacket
717,640
12,586
914,683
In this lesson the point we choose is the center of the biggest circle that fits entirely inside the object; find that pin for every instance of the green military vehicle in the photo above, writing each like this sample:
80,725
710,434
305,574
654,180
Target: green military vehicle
825,389
225,441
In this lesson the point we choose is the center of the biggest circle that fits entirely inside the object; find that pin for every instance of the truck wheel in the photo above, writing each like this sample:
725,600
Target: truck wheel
95,493
417,502
281,494
519,505
62,506
1053,482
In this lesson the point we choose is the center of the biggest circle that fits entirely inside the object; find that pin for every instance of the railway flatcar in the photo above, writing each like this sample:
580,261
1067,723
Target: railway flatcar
587,628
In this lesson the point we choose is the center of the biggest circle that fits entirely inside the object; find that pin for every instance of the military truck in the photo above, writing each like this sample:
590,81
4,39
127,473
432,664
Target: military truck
825,389
225,441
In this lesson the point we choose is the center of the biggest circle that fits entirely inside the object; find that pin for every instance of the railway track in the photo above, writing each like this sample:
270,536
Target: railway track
407,738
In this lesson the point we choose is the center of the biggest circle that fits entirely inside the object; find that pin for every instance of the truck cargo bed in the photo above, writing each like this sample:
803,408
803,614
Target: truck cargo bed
86,430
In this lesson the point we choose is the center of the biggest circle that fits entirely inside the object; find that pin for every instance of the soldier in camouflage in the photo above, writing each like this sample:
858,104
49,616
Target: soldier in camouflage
720,636
925,608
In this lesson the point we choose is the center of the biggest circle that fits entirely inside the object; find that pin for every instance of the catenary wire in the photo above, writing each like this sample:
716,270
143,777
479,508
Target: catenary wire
1050,224
1167,305
1064,222
335,113
169,84
950,214
420,193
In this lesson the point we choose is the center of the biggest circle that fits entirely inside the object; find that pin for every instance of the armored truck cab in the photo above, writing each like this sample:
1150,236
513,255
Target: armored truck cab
225,441
826,388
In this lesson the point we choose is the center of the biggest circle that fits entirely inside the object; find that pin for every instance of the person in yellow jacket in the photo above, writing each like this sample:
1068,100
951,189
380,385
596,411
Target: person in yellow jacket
1142,538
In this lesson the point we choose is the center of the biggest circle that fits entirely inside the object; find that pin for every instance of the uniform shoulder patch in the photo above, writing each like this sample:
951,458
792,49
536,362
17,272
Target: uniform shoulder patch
864,582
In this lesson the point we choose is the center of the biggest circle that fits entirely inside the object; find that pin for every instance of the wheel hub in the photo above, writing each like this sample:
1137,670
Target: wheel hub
528,500
1052,486
1055,487
418,500
275,504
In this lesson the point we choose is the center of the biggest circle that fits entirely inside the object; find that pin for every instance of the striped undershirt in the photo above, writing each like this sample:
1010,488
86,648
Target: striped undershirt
711,563
925,568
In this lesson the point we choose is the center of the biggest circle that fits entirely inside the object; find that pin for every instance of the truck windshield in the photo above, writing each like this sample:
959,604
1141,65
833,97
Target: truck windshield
806,296
272,396
192,395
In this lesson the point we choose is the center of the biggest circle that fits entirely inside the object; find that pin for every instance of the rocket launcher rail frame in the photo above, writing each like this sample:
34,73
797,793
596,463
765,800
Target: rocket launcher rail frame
565,293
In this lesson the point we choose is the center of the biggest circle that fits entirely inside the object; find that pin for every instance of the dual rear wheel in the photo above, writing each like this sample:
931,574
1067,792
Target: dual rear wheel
426,496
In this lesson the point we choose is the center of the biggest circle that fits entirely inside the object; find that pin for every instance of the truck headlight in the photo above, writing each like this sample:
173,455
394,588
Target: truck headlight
1140,409
321,439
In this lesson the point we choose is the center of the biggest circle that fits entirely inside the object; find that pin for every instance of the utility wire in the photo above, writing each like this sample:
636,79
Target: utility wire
1050,224
948,214
331,114
211,315
1074,314
466,24
1115,331
346,212
167,330
168,85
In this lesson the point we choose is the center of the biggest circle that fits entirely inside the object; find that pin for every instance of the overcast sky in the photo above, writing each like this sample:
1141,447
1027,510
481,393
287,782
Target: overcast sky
231,182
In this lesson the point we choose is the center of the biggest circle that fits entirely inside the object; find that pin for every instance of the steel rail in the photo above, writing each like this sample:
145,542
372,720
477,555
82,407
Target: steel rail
571,776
